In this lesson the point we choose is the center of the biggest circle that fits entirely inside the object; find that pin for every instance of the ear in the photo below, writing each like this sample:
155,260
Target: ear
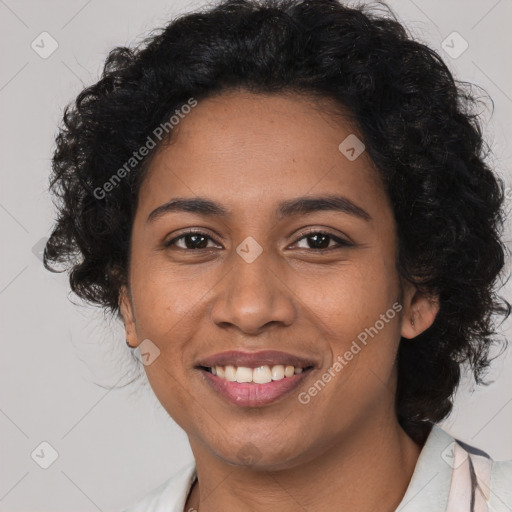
126,307
419,311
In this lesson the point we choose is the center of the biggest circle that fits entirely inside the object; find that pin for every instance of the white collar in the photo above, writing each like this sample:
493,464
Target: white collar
441,480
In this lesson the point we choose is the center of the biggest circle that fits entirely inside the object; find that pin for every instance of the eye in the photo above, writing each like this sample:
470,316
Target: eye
320,241
192,240
315,240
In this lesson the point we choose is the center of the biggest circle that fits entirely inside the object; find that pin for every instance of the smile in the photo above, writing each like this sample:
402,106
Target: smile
254,387
260,375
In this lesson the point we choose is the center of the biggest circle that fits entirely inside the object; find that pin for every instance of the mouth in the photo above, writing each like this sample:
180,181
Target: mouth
254,379
260,375
254,387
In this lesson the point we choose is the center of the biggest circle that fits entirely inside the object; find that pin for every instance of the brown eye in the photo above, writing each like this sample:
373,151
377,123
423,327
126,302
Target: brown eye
320,241
192,240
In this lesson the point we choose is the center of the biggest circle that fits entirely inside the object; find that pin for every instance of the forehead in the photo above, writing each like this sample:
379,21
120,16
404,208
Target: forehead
253,149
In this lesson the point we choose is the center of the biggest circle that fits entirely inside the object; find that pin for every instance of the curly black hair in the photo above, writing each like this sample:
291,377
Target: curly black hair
420,127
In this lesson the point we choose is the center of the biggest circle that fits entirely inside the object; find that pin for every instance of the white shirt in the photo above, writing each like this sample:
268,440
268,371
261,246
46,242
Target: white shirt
450,476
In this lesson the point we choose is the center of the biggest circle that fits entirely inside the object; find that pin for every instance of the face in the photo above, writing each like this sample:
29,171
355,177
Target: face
269,273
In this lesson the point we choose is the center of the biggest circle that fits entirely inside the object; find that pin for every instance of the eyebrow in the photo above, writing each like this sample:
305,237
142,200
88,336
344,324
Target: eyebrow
298,206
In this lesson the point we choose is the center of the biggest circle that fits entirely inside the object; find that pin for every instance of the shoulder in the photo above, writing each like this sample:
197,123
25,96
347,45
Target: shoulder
170,496
491,480
499,472
501,486
451,475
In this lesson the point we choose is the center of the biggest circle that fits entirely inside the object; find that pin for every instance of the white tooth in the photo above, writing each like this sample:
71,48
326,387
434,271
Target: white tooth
230,373
289,371
243,374
278,372
261,375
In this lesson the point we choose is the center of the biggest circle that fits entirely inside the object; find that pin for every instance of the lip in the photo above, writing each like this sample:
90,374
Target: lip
255,359
254,395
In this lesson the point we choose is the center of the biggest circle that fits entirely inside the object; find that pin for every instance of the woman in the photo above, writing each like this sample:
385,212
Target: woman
287,205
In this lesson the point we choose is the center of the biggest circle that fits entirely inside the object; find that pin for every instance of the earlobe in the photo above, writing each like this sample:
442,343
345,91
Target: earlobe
419,314
126,308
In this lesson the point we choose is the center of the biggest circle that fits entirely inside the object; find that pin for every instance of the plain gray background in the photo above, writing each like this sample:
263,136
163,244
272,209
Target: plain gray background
114,446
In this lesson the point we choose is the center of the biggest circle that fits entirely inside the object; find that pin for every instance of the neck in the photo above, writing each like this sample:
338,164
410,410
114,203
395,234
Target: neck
369,469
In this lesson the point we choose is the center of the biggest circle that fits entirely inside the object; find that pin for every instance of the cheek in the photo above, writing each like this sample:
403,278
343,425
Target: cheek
357,315
350,298
166,309
170,390
163,297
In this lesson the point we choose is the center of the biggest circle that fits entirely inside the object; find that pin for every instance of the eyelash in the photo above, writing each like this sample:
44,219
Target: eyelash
302,235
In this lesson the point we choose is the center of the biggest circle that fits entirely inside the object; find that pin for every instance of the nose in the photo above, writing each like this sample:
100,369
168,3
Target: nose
252,296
